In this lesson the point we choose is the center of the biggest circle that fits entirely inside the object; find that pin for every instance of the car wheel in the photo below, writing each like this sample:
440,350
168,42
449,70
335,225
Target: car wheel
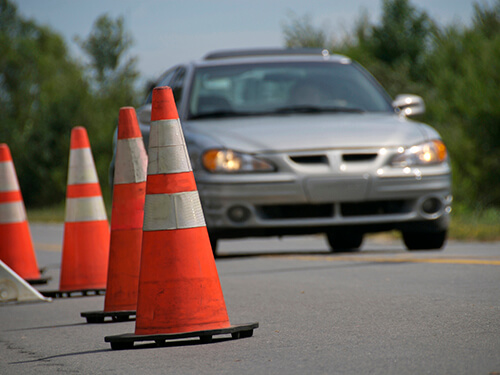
424,240
344,241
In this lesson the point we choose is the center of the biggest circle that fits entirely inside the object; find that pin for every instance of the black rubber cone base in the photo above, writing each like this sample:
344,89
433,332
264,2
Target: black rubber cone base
127,340
73,293
40,281
116,316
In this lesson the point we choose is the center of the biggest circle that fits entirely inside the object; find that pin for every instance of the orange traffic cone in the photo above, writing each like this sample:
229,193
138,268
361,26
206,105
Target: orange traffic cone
86,230
126,222
16,246
179,290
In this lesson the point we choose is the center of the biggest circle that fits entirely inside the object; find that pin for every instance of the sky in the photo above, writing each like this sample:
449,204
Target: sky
168,32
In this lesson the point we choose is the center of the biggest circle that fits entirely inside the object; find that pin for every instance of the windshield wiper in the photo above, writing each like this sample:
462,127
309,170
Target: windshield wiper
215,114
281,110
317,109
219,114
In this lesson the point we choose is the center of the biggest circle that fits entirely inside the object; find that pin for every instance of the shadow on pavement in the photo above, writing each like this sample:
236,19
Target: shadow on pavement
168,344
277,253
59,356
48,327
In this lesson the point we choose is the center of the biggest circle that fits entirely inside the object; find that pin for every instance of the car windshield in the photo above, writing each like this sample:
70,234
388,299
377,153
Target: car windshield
277,88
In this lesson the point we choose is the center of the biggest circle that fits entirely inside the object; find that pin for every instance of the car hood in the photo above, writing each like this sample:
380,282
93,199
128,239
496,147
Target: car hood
305,132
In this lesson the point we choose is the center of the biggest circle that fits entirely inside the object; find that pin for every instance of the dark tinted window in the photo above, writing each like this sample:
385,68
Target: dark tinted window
177,85
164,80
271,87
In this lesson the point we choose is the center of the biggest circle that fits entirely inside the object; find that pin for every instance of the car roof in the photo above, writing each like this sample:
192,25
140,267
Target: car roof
265,52
263,55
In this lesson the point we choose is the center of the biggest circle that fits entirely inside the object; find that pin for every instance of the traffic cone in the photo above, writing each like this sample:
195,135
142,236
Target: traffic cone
86,230
16,246
14,289
129,192
179,289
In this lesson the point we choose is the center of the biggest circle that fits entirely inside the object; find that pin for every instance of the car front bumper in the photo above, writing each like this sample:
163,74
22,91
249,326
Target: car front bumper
276,204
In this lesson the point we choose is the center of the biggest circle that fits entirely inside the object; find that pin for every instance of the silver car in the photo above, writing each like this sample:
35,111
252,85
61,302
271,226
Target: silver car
299,141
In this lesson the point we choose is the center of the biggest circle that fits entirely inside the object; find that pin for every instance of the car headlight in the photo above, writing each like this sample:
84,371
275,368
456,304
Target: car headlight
229,161
433,152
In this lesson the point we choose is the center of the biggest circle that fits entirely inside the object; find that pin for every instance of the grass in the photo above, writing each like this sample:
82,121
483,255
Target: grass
480,225
54,214
466,225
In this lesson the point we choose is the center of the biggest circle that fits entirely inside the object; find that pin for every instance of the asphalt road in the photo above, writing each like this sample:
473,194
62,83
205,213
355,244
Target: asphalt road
380,311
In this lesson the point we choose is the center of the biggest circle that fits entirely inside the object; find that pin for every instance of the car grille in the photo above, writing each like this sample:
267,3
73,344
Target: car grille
322,159
358,157
304,211
295,211
375,208
310,159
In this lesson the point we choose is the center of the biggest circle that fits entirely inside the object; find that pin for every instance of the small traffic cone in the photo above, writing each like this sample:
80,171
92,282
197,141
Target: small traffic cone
129,192
14,289
16,246
86,230
179,289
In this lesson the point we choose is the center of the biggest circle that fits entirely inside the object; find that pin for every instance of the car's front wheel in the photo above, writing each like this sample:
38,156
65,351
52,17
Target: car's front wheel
424,240
344,240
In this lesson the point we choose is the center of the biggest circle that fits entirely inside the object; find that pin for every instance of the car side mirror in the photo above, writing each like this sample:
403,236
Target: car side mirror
145,114
409,105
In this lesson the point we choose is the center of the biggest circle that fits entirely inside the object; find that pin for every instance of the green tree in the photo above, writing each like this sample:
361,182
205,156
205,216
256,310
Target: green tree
403,35
396,50
106,47
112,76
465,89
43,94
457,71
300,32
486,19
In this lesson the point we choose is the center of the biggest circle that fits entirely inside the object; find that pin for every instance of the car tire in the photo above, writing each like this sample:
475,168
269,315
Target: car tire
344,241
415,241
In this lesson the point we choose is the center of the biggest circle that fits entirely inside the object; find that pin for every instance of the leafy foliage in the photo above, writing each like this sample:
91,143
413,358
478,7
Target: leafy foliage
105,45
112,79
455,69
403,35
302,33
465,74
44,93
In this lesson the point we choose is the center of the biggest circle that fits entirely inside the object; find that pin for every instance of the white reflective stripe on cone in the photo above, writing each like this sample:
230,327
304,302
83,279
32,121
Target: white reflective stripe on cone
167,148
12,212
168,159
85,209
131,161
10,182
81,167
166,133
173,211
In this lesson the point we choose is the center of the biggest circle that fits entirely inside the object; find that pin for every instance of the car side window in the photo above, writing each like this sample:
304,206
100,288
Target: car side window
177,85
164,80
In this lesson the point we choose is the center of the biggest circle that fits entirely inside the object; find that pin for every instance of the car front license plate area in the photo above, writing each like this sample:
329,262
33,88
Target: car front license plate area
331,189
